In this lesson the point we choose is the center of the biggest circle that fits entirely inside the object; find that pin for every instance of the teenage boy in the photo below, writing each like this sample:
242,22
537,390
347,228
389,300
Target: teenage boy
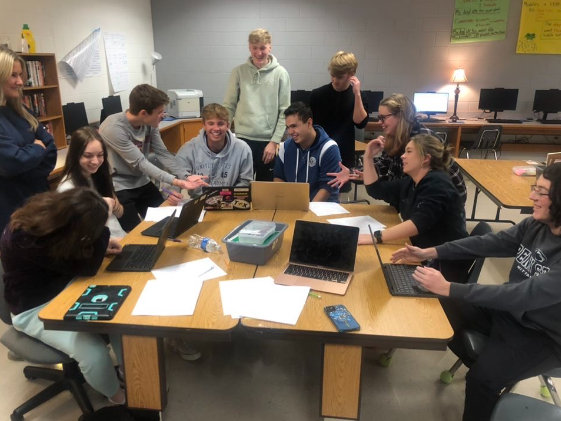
216,152
130,135
339,106
308,155
257,95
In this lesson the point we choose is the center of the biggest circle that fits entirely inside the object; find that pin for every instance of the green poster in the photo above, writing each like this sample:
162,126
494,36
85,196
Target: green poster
476,21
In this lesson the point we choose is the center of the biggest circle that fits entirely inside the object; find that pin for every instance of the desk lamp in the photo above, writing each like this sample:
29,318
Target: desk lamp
156,57
458,77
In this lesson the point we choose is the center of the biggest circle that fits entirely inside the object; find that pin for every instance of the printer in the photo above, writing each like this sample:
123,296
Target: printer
185,103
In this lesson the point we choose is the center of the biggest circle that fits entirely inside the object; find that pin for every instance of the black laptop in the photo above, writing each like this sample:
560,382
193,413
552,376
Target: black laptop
400,278
189,216
227,198
141,257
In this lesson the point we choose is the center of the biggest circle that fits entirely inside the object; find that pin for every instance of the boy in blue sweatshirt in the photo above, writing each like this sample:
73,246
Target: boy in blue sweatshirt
308,155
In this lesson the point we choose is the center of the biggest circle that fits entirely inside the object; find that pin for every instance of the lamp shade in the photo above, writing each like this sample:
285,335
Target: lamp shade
156,57
459,76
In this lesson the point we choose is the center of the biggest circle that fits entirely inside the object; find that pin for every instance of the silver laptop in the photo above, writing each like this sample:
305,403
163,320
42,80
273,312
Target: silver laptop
322,256
283,196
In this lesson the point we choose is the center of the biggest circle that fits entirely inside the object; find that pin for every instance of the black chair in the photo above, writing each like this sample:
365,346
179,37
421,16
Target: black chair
36,352
472,277
111,105
488,140
443,133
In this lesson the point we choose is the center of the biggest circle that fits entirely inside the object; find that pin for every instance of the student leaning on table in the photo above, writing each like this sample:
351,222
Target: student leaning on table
522,316
27,150
87,166
49,241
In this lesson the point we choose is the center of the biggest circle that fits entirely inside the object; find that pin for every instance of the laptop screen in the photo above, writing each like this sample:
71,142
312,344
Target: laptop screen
328,245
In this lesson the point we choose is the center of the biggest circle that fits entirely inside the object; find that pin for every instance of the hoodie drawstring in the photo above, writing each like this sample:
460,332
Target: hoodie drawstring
307,166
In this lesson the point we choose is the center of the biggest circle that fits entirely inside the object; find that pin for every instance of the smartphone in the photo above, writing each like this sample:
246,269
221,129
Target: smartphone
342,318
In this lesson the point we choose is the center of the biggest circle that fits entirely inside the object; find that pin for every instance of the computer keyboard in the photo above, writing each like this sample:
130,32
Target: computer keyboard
316,273
403,281
550,121
503,121
142,257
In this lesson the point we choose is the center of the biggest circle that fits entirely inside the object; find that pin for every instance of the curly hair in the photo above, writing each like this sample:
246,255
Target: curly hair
553,174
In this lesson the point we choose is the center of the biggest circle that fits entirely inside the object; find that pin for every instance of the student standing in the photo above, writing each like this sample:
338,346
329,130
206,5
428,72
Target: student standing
129,136
27,150
257,95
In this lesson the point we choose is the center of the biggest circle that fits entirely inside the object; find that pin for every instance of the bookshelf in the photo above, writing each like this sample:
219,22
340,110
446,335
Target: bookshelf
47,93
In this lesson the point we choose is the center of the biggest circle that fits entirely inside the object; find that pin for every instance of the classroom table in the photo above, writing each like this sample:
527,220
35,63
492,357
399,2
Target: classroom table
386,321
496,179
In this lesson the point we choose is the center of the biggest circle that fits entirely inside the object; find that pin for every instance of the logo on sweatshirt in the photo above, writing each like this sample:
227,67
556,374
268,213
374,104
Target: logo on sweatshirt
312,162
531,264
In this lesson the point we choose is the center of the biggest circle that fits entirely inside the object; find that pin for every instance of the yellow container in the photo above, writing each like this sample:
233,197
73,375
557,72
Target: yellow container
27,40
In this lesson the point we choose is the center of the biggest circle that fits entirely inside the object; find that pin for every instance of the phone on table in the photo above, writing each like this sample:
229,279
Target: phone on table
342,318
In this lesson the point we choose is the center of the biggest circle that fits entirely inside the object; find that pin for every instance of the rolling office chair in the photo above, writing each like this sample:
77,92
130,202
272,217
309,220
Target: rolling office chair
442,133
488,140
34,351
472,277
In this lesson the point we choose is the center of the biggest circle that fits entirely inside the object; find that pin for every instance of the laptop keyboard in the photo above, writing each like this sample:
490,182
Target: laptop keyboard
142,257
402,279
317,273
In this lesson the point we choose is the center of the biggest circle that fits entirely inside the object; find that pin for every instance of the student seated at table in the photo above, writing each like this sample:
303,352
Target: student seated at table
522,316
398,117
216,152
49,241
429,204
308,155
86,166
129,136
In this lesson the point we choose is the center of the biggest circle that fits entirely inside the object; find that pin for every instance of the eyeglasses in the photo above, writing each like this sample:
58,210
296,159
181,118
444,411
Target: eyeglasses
536,189
382,117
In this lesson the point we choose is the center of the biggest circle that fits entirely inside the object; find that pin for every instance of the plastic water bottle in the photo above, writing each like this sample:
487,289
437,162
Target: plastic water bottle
204,243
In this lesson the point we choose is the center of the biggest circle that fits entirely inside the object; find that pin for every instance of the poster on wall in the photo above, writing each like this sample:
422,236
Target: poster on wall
83,61
117,62
540,27
476,21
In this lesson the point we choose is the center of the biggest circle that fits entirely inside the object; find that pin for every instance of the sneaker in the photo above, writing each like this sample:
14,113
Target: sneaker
186,350
13,356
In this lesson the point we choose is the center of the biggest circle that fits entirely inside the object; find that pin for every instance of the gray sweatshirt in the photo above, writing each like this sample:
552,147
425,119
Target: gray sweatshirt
232,166
532,294
128,150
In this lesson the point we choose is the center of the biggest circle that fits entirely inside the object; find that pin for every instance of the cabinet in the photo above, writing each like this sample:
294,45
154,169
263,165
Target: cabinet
49,91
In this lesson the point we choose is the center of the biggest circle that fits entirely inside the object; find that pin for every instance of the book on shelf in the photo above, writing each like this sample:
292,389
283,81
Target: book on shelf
36,103
35,73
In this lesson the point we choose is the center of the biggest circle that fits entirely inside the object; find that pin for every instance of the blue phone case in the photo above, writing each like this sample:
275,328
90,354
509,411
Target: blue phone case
342,318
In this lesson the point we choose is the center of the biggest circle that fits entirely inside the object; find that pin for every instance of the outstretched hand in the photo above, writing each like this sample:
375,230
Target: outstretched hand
432,280
409,254
343,176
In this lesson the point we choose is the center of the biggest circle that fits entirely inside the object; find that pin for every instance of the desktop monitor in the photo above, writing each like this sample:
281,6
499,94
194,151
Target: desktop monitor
111,105
431,103
75,116
374,99
300,95
547,101
498,99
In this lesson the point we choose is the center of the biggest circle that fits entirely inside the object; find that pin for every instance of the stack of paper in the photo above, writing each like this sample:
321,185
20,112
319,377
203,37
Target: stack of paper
361,222
327,208
260,298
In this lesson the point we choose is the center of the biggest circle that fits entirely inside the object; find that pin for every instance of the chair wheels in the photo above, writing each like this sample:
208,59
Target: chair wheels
16,417
544,391
385,360
446,377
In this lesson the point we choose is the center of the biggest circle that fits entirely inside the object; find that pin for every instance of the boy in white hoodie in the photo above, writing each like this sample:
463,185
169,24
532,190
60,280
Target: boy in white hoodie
216,152
257,95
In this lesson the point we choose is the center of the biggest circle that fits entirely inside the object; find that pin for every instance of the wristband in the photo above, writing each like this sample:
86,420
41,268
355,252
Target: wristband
378,236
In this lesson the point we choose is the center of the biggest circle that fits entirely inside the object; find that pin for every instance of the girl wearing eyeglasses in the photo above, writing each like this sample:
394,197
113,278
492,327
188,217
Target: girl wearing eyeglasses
522,316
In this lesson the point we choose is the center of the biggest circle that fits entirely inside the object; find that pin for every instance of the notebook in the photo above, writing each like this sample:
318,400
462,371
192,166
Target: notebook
141,257
283,196
227,198
98,302
400,277
322,256
189,216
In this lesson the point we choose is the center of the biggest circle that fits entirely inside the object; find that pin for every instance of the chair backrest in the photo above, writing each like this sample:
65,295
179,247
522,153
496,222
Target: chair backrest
75,116
489,137
475,270
442,133
552,158
4,309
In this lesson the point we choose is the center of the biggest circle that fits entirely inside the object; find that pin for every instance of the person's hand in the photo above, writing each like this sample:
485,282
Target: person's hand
432,280
114,247
374,147
111,203
340,178
364,239
410,254
269,152
40,143
355,83
192,182
174,198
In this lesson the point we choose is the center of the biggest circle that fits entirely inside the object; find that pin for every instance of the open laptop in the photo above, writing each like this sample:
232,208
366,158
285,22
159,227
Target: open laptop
282,196
322,256
189,216
227,198
141,257
400,277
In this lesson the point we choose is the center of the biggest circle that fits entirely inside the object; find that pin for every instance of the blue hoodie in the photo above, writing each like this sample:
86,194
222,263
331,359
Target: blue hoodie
311,165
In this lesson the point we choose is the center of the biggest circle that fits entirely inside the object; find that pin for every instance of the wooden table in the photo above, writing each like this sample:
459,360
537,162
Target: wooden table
499,183
471,127
386,321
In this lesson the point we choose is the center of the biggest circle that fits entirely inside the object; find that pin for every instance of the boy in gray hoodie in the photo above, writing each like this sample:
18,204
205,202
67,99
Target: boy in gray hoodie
216,152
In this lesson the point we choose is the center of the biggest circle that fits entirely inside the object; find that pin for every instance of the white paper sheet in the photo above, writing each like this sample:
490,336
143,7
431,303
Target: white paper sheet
327,208
157,214
234,293
117,61
197,270
361,222
84,59
169,298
